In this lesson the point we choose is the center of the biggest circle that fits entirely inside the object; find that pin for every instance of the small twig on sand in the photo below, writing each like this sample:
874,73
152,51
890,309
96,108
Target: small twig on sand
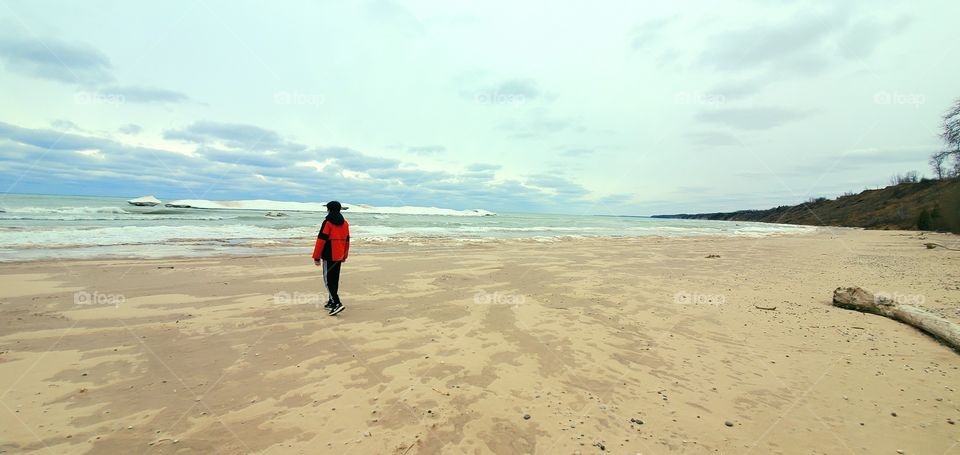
411,446
768,308
441,393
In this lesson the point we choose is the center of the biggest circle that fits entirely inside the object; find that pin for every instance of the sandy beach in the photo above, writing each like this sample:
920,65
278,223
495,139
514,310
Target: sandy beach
634,345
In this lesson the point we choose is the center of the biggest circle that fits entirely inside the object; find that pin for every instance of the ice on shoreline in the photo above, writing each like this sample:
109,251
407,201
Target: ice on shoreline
145,201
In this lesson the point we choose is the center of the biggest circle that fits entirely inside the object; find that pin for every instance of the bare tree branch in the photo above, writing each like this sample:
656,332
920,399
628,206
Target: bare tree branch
951,137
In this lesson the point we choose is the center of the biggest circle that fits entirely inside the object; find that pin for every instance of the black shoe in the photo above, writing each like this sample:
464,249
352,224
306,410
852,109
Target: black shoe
329,304
337,309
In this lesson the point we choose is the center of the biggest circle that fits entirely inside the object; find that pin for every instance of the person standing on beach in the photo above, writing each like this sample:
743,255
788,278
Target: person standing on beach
331,250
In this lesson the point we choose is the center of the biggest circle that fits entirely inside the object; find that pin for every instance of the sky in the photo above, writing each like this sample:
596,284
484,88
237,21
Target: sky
603,107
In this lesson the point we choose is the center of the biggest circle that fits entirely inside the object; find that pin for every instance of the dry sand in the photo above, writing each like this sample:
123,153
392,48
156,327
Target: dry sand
445,349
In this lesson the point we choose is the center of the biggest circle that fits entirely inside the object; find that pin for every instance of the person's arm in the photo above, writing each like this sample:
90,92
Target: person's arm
322,238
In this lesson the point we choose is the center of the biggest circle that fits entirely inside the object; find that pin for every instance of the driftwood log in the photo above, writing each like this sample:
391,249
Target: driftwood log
858,299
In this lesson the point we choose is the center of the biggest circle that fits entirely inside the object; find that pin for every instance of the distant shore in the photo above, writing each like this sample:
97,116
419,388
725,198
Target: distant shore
925,205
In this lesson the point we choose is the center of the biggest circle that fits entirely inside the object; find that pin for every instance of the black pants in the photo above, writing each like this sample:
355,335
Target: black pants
331,279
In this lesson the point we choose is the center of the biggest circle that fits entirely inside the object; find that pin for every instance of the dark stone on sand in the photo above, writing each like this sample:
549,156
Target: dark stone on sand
728,423
526,417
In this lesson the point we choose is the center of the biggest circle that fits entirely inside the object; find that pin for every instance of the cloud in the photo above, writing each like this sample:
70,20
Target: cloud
232,135
808,43
520,88
130,128
539,125
757,118
862,37
649,32
850,160
562,187
49,139
687,190
62,124
71,151
610,201
771,44
731,90
482,167
76,64
888,155
427,149
577,152
345,158
255,158
140,94
507,92
838,172
395,18
713,138
55,60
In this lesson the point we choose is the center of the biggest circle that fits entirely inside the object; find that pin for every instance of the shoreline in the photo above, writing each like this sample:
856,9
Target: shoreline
379,245
447,350
39,228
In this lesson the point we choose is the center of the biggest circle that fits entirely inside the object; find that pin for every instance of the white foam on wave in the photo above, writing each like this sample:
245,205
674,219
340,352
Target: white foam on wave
95,214
65,210
268,205
132,235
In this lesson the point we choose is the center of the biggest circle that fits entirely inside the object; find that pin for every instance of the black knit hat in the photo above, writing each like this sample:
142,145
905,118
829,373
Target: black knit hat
334,206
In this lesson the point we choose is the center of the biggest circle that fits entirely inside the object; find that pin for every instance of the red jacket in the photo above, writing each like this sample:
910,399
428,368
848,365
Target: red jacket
333,241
